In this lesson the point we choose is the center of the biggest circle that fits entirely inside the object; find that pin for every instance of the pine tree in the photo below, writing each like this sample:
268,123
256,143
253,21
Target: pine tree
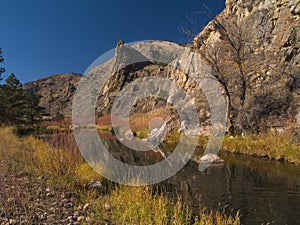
32,112
17,106
11,100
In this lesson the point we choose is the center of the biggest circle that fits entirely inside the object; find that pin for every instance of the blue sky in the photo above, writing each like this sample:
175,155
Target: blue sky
45,37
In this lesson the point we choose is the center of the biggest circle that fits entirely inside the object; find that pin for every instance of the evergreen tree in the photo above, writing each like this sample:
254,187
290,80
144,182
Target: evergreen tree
17,106
32,112
11,101
12,81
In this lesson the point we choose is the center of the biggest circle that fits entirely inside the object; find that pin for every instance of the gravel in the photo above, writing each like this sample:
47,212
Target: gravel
25,199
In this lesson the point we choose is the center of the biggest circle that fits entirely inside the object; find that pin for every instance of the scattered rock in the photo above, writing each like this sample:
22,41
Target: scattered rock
47,205
94,185
86,206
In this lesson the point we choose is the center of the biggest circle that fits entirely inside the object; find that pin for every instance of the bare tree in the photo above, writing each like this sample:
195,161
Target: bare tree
230,52
193,28
213,57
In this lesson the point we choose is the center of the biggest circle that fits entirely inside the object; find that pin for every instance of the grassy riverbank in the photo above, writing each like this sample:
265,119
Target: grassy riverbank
281,147
45,184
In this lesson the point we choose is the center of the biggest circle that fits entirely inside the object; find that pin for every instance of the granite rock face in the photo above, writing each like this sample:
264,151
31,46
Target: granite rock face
256,42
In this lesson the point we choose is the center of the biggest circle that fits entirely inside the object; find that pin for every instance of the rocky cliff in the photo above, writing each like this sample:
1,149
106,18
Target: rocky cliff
252,49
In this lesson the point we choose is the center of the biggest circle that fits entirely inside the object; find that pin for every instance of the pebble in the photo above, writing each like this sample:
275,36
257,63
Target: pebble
12,221
107,206
48,206
86,206
50,195
80,218
95,185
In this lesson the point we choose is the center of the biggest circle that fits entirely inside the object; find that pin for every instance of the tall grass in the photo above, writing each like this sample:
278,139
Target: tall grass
58,160
12,158
275,146
12,162
138,205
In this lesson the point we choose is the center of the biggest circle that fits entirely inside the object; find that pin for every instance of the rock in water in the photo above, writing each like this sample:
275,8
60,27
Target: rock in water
210,158
207,160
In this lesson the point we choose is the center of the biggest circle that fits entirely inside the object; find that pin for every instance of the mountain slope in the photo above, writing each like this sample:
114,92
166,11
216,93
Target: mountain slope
56,92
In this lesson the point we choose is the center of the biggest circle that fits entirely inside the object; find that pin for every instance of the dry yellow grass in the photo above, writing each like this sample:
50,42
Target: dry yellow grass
138,205
64,167
279,147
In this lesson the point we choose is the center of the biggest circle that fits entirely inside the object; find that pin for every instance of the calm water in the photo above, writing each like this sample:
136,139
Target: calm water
263,191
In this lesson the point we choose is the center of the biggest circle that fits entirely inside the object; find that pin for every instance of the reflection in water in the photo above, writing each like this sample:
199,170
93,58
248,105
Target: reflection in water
264,191
129,156
268,195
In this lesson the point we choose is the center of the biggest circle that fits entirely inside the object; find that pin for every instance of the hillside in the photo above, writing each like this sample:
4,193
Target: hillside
56,92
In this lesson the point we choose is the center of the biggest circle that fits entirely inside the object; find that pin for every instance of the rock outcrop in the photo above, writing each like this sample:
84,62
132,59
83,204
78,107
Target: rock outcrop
254,48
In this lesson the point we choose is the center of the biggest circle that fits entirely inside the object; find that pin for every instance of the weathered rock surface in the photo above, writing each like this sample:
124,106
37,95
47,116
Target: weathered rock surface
56,92
266,37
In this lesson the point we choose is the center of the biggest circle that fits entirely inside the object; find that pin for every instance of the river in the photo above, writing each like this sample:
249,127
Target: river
263,191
